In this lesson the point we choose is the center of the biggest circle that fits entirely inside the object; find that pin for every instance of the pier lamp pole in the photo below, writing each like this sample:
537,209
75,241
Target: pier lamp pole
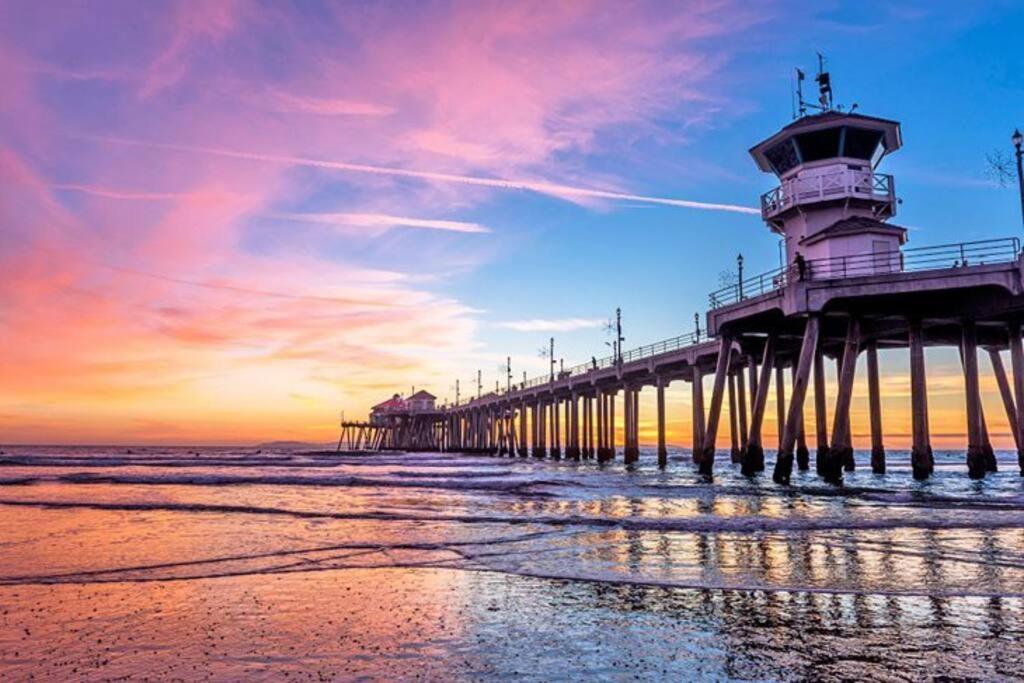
508,366
552,351
696,324
1018,140
479,383
739,282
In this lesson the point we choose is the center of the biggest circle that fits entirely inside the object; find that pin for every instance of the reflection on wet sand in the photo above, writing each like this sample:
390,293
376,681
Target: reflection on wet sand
435,566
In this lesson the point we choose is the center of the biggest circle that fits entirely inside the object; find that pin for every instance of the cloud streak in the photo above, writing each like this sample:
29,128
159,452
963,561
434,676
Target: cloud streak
380,220
540,187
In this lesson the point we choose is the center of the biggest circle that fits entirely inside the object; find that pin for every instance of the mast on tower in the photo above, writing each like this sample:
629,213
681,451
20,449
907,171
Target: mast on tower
831,200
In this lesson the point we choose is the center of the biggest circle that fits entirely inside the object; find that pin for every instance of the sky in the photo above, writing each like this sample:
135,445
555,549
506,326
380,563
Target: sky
227,222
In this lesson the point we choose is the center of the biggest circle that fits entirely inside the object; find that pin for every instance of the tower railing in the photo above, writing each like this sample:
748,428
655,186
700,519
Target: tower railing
836,184
938,257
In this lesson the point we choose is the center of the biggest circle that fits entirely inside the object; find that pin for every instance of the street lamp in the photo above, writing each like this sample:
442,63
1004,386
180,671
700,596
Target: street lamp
739,269
1017,140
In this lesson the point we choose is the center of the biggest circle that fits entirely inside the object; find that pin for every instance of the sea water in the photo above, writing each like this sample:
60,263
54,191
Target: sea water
231,564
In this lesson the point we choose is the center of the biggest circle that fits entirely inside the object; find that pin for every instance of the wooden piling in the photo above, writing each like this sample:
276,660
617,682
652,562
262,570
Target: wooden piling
820,413
922,460
875,410
753,456
841,450
707,461
791,422
972,392
662,448
780,401
741,391
1017,364
734,438
697,392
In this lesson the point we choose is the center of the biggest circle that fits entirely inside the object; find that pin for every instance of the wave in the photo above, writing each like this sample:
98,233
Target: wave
701,524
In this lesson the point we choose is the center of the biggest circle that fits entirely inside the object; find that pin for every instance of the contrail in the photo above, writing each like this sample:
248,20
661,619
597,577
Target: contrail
501,183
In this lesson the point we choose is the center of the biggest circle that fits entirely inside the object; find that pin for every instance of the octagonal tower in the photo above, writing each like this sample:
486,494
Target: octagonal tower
831,202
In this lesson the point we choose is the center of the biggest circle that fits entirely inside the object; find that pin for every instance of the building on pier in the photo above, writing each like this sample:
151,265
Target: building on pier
849,287
413,423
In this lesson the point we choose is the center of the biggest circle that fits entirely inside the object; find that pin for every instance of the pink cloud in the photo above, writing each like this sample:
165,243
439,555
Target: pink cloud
142,282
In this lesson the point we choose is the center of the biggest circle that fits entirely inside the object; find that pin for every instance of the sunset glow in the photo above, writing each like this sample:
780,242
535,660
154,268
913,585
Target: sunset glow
228,222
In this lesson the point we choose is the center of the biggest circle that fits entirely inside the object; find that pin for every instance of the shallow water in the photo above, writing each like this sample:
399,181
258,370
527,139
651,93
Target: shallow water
229,564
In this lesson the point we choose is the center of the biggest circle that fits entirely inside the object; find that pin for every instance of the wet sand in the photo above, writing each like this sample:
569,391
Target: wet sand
223,565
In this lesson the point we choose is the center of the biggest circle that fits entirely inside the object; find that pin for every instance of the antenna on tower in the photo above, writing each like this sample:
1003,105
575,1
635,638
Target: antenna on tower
802,106
824,81
824,85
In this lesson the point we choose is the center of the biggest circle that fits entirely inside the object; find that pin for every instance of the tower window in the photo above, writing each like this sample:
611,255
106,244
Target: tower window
819,144
862,144
782,156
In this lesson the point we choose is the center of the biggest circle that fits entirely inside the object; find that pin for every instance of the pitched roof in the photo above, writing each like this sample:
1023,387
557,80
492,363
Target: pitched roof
856,225
422,395
814,120
393,402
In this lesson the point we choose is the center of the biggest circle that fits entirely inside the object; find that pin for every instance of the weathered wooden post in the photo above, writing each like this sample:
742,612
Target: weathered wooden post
875,409
1017,364
697,393
922,461
611,424
662,448
820,413
741,391
972,391
734,438
753,457
784,461
707,461
840,452
780,400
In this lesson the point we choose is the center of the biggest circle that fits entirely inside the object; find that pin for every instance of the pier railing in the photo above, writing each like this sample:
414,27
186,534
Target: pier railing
959,255
631,356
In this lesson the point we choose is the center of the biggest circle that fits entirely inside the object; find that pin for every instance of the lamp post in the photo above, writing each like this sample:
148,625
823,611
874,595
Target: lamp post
1017,140
739,270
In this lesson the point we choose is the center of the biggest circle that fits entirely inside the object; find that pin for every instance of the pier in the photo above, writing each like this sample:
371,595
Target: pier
848,288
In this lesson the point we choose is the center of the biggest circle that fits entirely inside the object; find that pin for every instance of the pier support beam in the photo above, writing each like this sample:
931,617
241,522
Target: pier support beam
820,413
972,391
875,409
556,430
707,461
753,456
573,442
741,391
697,389
792,421
1009,405
780,401
734,437
803,456
602,427
662,448
631,452
841,450
1017,363
611,425
921,458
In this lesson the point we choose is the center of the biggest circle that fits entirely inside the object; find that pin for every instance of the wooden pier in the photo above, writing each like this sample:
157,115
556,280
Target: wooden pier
849,289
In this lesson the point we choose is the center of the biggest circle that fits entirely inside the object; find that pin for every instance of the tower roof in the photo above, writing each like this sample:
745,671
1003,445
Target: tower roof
856,225
422,395
889,130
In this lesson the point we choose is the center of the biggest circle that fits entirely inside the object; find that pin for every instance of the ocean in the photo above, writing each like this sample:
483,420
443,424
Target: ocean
231,564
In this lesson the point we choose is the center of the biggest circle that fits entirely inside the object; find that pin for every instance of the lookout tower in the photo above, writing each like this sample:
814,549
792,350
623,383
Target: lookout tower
831,202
